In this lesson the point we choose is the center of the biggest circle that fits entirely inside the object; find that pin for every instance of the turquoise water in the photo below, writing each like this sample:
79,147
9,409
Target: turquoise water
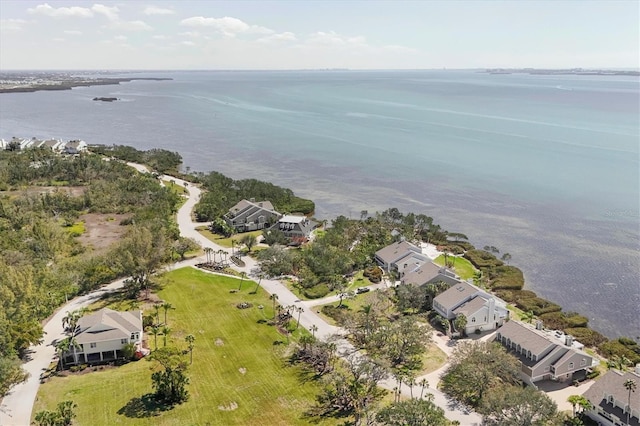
544,167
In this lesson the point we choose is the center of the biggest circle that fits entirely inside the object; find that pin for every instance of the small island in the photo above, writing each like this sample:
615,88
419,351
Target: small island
103,99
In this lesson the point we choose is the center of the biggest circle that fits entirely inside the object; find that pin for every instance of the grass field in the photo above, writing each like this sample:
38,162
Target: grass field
461,266
223,241
236,360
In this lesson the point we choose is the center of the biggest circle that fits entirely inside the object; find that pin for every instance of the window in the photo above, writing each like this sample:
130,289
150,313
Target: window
93,345
570,366
135,336
124,341
473,319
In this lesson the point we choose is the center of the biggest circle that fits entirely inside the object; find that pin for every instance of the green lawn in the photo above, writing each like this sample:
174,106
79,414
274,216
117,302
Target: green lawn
223,241
461,266
228,341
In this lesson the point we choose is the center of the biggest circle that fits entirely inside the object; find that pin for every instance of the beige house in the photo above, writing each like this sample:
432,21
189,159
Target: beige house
101,336
610,399
543,354
428,273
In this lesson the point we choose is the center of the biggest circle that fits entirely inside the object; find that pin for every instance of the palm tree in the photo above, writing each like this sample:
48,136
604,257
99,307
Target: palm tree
190,339
207,252
155,330
423,384
62,347
631,386
411,382
166,306
165,333
300,311
528,316
314,328
574,400
274,297
156,313
258,283
242,275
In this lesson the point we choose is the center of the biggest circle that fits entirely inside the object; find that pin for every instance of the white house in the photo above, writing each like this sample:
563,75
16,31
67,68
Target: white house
483,311
101,336
610,399
293,226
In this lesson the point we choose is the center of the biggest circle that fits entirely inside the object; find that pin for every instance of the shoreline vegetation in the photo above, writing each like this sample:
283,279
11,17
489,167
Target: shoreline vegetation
42,264
496,274
33,82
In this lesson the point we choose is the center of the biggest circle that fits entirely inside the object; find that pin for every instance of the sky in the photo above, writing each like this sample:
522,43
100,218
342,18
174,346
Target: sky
318,34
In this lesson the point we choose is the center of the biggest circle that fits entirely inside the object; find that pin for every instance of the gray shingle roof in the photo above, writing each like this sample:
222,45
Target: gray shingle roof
107,324
612,383
525,337
455,295
425,273
471,306
392,252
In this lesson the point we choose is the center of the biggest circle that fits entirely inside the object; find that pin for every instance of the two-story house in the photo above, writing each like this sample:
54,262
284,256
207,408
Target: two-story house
428,273
543,354
249,215
483,311
101,336
609,398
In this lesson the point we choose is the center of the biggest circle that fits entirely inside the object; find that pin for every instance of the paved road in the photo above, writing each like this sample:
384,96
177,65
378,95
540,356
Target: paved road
18,405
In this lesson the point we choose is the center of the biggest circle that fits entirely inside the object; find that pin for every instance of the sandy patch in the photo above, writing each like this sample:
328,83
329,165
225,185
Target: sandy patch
242,370
219,342
229,407
102,230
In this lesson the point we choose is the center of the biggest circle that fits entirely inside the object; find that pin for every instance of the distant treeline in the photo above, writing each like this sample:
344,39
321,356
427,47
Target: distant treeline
160,160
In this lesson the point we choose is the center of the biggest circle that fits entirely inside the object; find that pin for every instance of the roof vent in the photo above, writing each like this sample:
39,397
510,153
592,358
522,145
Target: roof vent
569,340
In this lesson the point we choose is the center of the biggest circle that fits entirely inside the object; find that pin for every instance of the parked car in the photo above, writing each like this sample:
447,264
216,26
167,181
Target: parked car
363,290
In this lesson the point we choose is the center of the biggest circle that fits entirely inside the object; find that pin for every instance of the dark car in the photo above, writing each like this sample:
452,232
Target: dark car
363,290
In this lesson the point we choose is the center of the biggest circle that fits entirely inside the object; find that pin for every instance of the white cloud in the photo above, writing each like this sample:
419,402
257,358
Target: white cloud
111,13
73,32
193,34
131,26
11,25
152,10
286,36
188,43
58,39
332,38
120,38
229,27
61,12
160,37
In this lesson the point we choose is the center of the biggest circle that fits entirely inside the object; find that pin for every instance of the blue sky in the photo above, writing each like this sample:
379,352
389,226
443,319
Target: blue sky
318,34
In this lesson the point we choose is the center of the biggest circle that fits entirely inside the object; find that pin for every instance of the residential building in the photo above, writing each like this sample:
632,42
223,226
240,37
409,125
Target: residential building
295,227
101,336
402,257
544,354
249,215
428,273
484,311
75,147
610,399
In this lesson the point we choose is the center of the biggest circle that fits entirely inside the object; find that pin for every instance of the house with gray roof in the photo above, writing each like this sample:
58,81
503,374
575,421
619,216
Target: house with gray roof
101,336
295,227
543,354
249,215
75,147
610,399
484,311
401,256
428,273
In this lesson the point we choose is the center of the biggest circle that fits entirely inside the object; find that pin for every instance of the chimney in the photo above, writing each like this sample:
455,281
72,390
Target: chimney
539,325
637,369
569,340
260,203
253,200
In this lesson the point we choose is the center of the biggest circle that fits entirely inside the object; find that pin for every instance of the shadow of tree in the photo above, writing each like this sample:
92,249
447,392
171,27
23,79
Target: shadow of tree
144,406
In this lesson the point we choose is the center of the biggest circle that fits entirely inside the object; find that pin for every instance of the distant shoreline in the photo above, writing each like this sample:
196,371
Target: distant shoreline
68,84
572,71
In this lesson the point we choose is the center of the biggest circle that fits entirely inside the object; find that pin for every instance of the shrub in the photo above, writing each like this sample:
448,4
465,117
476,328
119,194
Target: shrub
317,291
538,305
339,314
482,259
593,374
506,277
614,348
373,273
586,336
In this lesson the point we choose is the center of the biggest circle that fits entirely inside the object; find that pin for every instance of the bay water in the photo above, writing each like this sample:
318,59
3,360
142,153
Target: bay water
545,167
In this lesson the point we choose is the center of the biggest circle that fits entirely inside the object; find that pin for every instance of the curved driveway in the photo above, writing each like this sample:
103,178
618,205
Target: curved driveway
17,406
